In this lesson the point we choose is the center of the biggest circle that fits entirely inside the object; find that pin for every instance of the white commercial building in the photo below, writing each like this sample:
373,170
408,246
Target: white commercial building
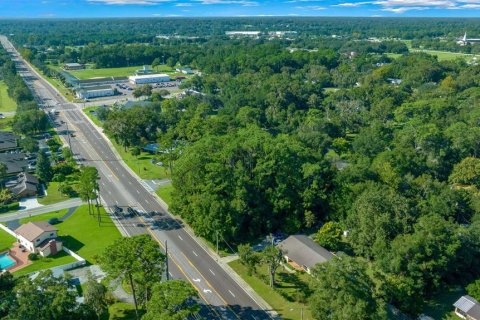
95,92
254,34
149,78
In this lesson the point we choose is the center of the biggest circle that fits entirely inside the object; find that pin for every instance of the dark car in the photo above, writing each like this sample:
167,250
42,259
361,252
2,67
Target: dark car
117,209
131,211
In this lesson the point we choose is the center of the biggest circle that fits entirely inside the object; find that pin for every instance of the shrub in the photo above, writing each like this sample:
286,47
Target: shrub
59,177
9,207
33,256
53,221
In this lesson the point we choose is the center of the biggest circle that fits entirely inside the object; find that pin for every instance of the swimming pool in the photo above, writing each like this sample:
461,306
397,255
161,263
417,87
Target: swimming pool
6,261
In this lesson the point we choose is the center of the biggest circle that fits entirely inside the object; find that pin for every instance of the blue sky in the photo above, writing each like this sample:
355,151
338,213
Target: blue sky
207,8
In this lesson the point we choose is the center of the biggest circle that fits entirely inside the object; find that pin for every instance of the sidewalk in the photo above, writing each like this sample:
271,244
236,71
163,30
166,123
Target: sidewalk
76,202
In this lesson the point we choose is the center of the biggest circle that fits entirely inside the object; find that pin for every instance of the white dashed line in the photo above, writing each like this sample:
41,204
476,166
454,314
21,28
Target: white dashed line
231,293
211,271
180,238
196,255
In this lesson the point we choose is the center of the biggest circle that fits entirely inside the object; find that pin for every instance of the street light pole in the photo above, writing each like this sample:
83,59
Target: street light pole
217,240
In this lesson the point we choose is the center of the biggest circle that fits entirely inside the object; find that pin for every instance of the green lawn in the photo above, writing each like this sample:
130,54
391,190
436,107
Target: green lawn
82,234
45,217
445,55
441,306
6,240
114,72
121,311
53,195
92,116
59,259
286,282
6,124
165,192
142,164
6,103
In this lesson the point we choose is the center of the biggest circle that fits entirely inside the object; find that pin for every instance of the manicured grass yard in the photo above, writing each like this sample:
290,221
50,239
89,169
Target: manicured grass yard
53,195
165,192
6,240
88,112
6,103
79,233
59,259
120,311
82,234
445,55
6,124
114,72
45,217
286,282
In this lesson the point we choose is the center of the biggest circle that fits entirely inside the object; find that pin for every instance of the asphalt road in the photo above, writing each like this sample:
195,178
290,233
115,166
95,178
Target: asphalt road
188,260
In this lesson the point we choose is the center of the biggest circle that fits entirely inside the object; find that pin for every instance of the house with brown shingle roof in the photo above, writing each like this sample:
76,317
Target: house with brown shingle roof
39,237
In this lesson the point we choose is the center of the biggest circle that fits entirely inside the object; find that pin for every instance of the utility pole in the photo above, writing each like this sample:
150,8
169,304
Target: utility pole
166,260
217,240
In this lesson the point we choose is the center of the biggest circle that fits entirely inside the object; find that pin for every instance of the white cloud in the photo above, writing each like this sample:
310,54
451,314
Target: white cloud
314,8
351,4
401,6
183,4
244,3
130,2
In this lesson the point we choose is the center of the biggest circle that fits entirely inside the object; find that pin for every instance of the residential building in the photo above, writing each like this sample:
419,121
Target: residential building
15,162
302,253
95,92
39,237
8,141
73,66
467,308
23,185
149,78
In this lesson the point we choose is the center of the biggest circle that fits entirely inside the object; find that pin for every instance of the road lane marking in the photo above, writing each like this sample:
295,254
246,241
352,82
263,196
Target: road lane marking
196,280
231,293
196,255
138,191
211,271
207,291
180,238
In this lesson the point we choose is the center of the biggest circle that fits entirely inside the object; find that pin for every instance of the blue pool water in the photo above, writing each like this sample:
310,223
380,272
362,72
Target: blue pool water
6,261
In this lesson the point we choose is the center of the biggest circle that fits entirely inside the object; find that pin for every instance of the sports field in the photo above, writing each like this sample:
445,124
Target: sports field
114,72
7,104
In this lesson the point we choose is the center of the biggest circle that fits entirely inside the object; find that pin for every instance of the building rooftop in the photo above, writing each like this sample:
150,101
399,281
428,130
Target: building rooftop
23,181
15,162
95,88
148,76
33,230
469,306
8,140
304,251
74,64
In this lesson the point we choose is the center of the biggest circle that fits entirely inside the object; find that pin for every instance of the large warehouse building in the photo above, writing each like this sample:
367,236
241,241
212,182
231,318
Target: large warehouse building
149,78
95,92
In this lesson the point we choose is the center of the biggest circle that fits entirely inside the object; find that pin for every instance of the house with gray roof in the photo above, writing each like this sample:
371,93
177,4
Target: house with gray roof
8,141
15,162
23,185
467,308
302,253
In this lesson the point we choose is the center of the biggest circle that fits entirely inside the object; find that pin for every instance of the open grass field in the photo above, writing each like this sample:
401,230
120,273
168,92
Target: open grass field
286,282
6,123
7,104
120,311
81,233
445,55
53,195
114,72
165,192
6,240
45,217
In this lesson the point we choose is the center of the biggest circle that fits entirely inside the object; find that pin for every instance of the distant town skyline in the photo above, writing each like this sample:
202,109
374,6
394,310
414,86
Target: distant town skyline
236,8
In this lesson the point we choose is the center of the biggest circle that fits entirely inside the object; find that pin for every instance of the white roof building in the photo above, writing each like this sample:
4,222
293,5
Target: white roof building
149,78
95,92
